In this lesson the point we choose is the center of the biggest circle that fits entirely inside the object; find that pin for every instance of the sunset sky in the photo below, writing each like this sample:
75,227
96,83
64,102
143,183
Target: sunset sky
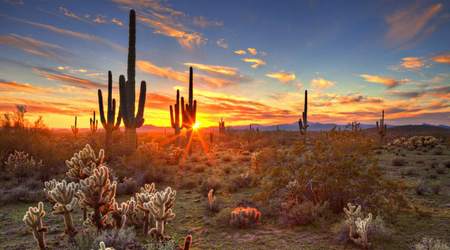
252,60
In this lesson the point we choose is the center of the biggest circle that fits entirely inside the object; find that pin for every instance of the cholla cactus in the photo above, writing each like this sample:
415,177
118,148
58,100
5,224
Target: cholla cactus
33,219
119,214
102,246
82,164
187,243
21,164
245,216
134,215
144,196
211,199
160,207
358,225
63,197
431,244
97,192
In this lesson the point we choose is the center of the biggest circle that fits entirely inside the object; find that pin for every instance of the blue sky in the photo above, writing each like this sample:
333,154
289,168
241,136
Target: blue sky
252,59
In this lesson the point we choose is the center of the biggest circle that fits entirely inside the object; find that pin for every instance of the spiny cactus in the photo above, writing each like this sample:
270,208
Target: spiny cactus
221,126
109,123
187,243
145,195
303,121
63,197
93,123
82,164
102,246
22,164
98,193
358,225
189,111
175,117
119,214
245,216
381,128
160,207
34,219
127,91
74,128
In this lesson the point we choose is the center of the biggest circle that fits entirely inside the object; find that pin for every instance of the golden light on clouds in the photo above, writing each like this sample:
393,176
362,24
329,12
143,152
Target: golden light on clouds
240,52
412,63
384,80
284,77
321,83
255,62
443,58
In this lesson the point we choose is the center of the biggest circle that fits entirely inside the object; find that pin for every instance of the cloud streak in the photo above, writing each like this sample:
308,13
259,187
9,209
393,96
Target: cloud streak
255,62
284,77
383,80
34,46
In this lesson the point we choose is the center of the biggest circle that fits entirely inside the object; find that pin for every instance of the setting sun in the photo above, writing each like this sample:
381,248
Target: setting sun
196,126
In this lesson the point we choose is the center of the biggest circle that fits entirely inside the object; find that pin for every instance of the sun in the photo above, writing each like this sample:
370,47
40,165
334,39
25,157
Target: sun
196,126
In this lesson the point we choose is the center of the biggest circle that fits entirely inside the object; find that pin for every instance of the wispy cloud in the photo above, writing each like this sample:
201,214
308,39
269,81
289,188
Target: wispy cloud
321,83
284,77
227,78
66,32
223,70
384,80
66,12
117,21
252,51
407,25
68,79
256,62
8,86
34,46
442,58
100,19
202,22
412,63
222,43
240,52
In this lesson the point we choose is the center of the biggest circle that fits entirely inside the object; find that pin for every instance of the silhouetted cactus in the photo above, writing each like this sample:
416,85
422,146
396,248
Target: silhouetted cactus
131,119
221,126
356,126
303,122
93,123
175,117
75,128
189,111
109,122
187,243
381,127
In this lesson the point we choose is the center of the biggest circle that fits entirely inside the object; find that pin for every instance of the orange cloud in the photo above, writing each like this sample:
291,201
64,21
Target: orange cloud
171,74
33,46
408,24
252,51
256,63
184,38
412,63
284,77
224,70
386,81
66,78
443,58
6,86
321,83
117,21
240,52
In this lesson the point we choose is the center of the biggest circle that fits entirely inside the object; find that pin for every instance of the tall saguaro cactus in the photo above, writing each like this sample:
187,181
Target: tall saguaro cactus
131,119
175,117
303,122
189,111
381,127
93,123
74,128
221,126
109,122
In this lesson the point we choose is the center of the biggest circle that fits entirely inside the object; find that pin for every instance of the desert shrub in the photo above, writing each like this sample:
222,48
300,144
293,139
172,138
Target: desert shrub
127,186
123,239
398,162
337,168
296,213
431,244
447,164
441,171
244,217
222,218
20,193
21,165
422,188
242,180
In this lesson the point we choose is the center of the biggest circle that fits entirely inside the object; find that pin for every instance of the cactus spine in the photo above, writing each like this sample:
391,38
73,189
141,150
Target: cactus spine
131,119
108,121
75,128
33,219
303,122
221,126
175,117
381,127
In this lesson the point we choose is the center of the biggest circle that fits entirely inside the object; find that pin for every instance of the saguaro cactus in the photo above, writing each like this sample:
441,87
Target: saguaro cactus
381,127
93,123
303,122
33,219
175,117
109,123
356,126
75,128
127,91
221,126
189,111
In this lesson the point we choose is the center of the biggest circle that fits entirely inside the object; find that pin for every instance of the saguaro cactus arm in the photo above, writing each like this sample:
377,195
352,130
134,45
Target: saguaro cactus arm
108,121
